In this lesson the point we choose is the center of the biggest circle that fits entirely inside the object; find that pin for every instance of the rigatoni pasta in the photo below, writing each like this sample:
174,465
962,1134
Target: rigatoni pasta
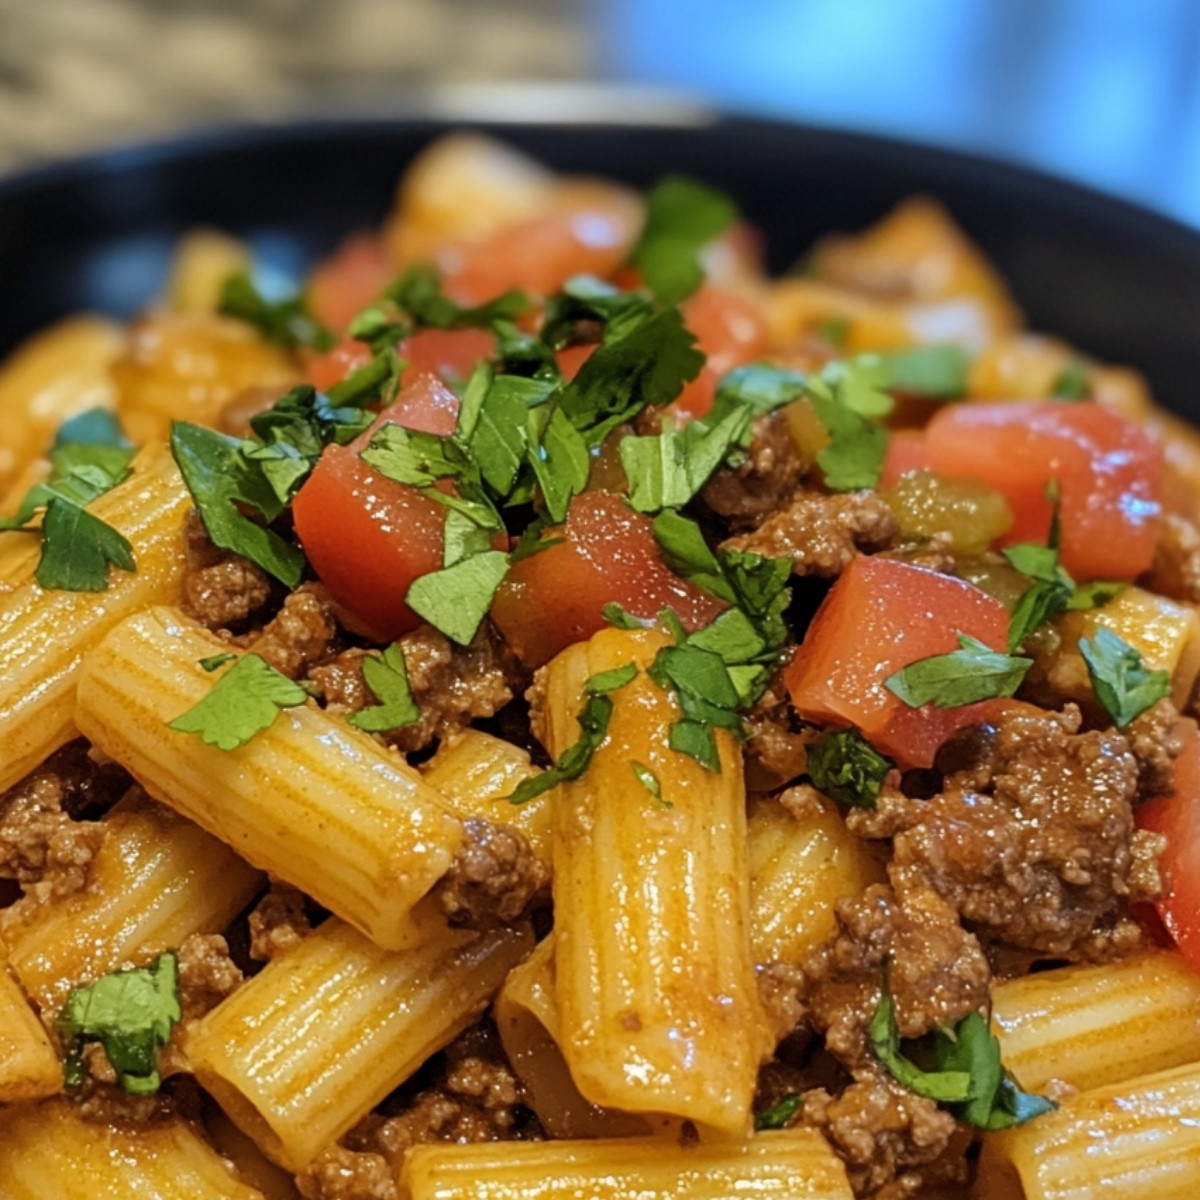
312,799
657,1004
309,1046
29,1065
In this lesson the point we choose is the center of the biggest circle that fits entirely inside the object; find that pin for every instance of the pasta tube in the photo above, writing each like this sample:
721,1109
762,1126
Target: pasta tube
790,1165
1139,1138
48,1152
57,374
45,635
657,1001
311,799
1094,1026
527,1020
156,878
475,773
306,1048
800,867
29,1067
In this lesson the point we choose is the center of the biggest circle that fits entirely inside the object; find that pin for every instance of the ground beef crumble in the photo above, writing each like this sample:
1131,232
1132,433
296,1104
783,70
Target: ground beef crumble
278,921
822,533
773,468
1033,844
892,1141
300,635
474,1097
494,877
220,589
42,844
207,975
1175,571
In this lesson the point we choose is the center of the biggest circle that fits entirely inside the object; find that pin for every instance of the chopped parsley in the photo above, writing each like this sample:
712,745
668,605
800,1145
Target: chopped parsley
90,455
846,768
967,675
935,372
1072,383
649,781
213,661
131,1014
593,723
682,217
387,677
285,322
1050,593
457,598
968,1079
781,1114
1122,685
244,700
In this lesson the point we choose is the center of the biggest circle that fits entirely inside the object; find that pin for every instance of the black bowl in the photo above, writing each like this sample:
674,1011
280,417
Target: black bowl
1120,282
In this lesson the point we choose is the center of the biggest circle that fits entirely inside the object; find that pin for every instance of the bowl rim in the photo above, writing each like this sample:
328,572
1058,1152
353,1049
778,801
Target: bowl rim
583,106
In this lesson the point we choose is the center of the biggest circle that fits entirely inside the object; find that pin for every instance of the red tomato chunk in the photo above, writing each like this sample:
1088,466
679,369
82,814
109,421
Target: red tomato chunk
557,597
1108,469
880,616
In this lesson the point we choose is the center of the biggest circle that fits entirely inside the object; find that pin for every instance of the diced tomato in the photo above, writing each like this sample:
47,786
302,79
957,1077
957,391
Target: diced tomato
424,403
368,538
879,617
572,358
345,283
730,331
447,354
537,256
1109,471
906,452
556,597
1178,818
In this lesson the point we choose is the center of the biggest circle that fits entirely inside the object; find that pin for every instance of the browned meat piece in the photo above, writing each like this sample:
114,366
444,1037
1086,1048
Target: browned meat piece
892,1141
937,971
341,682
781,988
1175,571
219,589
493,878
774,466
278,921
341,1174
822,533
300,634
1035,845
206,973
1155,744
453,685
41,845
774,750
476,1098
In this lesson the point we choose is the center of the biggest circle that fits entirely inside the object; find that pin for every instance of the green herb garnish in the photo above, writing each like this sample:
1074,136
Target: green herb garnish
846,768
967,675
1122,685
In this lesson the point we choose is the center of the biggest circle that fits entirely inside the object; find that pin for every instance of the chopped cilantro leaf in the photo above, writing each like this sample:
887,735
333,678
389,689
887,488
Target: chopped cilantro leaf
1095,594
1048,595
686,552
953,1087
644,361
387,677
854,457
843,766
559,457
649,781
418,292
286,322
455,599
970,1081
760,387
833,331
593,723
213,661
1122,685
967,675
1072,383
939,372
244,700
77,549
616,616
780,1114
92,439
378,377
131,1014
93,427
221,479
682,217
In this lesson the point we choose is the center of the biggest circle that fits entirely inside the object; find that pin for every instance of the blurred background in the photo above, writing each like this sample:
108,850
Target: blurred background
1103,91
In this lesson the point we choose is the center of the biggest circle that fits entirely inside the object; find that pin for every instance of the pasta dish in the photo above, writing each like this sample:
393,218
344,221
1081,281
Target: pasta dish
546,710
